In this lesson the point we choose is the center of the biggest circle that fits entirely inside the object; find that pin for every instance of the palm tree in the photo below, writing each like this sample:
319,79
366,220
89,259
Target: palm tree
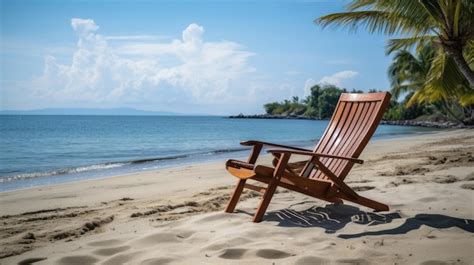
408,72
447,23
414,74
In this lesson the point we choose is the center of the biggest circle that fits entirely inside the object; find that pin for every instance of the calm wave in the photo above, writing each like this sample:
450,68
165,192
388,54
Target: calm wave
41,150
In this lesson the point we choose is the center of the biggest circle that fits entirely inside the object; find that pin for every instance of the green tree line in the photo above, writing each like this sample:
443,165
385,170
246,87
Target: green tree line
433,64
319,104
322,100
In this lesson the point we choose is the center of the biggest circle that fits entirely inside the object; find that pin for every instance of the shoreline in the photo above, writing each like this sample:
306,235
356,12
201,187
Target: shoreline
149,217
415,123
264,156
239,152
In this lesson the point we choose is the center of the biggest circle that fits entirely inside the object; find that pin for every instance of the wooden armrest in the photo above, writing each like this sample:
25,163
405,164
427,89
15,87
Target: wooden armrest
253,142
306,153
338,182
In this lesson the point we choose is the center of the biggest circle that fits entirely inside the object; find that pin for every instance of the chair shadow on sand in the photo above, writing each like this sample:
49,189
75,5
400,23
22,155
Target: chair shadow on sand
335,217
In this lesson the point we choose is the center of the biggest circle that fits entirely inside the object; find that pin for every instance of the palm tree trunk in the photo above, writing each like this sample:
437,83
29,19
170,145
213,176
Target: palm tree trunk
460,61
449,112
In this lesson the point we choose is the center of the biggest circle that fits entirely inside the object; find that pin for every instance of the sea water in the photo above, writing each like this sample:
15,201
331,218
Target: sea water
42,150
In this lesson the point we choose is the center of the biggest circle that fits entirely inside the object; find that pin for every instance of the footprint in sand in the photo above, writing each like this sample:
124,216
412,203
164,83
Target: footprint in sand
111,251
238,253
233,253
230,242
468,186
77,260
31,261
445,179
273,254
310,260
428,199
159,238
105,243
119,259
435,262
352,261
156,261
122,258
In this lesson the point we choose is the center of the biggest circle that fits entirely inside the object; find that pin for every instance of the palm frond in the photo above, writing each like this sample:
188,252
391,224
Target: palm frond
354,5
435,10
375,21
444,82
449,23
408,43
467,99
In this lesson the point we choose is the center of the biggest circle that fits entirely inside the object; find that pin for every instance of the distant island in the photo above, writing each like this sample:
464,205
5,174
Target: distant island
321,102
89,111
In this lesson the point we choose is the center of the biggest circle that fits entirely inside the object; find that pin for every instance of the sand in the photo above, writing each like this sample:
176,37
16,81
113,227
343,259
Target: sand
175,216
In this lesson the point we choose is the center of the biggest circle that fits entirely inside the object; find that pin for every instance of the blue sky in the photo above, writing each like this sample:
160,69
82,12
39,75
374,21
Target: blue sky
208,57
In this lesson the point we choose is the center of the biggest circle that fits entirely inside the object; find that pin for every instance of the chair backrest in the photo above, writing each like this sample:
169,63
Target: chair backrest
352,125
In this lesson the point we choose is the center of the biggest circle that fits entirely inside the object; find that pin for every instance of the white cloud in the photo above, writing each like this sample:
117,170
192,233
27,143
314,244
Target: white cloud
189,69
307,85
84,26
338,78
193,33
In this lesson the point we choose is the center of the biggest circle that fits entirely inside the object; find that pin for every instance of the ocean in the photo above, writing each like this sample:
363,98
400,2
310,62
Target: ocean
44,150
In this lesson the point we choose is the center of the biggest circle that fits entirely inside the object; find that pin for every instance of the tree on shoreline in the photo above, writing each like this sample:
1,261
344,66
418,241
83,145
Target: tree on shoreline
319,104
322,100
411,73
448,24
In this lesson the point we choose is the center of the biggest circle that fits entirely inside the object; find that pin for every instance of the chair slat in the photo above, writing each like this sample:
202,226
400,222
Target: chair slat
359,136
334,138
338,164
329,139
352,125
308,169
353,137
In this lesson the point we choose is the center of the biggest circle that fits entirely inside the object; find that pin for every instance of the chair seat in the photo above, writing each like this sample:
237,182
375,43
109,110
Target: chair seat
240,169
261,173
239,164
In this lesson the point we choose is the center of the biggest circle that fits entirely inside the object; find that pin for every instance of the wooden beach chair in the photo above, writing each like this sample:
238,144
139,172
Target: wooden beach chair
322,175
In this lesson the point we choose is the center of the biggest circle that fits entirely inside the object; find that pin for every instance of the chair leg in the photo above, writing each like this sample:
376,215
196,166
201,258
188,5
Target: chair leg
234,199
265,201
377,206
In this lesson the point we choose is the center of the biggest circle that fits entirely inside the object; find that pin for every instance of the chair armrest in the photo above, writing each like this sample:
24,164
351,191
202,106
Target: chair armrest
306,153
252,142
338,182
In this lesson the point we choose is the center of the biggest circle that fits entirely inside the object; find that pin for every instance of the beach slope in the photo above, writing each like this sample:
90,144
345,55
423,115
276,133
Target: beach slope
175,216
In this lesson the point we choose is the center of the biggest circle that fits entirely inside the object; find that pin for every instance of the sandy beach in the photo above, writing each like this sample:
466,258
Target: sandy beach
175,215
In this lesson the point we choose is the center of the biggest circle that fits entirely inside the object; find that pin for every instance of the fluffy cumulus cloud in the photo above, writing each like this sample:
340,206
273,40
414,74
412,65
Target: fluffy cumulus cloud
308,84
338,78
188,69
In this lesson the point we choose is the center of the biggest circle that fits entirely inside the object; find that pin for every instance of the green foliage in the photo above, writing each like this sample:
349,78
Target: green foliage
328,100
289,108
322,101
395,112
447,23
440,75
319,104
431,79
271,108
